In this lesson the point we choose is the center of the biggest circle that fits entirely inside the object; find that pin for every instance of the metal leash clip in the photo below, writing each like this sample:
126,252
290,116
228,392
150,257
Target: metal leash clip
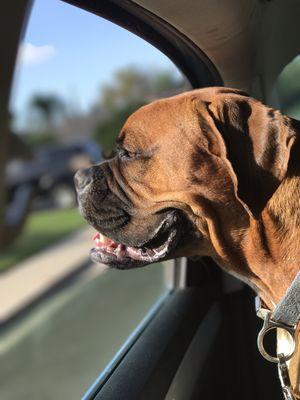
286,316
281,358
269,325
284,378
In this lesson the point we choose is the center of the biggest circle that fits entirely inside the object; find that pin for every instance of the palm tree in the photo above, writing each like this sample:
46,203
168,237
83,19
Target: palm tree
49,108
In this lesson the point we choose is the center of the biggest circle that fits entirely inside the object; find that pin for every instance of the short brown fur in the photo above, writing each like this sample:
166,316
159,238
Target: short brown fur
254,235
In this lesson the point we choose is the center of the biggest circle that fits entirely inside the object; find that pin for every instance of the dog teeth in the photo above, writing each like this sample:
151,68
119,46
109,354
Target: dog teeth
120,251
103,241
134,253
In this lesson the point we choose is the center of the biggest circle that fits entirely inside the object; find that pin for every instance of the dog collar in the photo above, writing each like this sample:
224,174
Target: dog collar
286,315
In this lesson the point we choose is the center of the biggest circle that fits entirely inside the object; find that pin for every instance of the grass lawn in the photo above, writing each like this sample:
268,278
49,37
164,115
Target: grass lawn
42,229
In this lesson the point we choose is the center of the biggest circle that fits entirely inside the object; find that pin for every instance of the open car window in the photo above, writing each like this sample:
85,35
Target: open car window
63,319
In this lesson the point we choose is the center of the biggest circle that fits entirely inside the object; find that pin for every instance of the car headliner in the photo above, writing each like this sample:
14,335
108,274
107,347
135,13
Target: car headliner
249,41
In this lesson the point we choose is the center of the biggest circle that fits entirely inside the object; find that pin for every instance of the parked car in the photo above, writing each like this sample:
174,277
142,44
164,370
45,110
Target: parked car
51,171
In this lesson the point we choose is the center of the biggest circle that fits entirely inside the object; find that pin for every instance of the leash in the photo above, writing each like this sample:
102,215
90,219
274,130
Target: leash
286,316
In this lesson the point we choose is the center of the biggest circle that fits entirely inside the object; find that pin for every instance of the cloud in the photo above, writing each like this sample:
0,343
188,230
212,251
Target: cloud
31,54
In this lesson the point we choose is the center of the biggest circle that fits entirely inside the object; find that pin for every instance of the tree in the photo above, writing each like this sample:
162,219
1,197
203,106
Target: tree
49,110
107,130
165,81
129,86
130,89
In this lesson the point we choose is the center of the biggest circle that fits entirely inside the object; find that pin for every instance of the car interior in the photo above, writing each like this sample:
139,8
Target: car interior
199,340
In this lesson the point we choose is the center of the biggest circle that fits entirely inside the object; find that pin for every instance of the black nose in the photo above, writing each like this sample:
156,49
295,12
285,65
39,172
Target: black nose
83,177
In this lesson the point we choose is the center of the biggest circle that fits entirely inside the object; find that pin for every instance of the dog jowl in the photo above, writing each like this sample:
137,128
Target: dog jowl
127,236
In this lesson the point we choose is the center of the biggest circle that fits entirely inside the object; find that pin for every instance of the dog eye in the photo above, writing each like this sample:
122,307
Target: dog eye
125,154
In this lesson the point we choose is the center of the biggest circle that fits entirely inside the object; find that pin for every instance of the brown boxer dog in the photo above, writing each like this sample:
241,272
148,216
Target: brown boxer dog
208,172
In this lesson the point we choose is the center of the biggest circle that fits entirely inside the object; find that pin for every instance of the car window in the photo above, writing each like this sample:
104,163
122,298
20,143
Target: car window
62,318
287,89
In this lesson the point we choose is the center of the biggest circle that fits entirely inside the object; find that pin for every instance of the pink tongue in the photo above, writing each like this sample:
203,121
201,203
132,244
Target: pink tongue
111,243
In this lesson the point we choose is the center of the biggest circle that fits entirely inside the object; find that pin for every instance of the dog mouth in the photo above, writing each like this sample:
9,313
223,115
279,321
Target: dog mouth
121,256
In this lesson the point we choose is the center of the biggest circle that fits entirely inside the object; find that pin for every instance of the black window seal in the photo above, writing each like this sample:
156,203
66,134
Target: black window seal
188,57
126,347
152,360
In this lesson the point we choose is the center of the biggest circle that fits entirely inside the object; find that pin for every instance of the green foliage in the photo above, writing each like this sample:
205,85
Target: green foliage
108,129
131,89
130,85
46,109
165,81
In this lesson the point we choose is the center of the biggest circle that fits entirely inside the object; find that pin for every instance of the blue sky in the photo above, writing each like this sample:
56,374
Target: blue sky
71,53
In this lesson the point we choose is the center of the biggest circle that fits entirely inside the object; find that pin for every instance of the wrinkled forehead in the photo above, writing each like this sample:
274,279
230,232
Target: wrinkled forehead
155,120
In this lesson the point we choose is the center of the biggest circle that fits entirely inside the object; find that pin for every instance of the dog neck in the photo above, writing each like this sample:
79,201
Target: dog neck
274,245
274,250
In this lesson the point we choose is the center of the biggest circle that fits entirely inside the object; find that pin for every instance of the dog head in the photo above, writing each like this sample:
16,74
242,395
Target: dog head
189,173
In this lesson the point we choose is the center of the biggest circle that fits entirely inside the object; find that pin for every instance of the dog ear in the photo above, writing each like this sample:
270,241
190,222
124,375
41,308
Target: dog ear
255,143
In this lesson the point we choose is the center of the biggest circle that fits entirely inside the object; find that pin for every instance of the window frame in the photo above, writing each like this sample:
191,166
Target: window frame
191,280
189,58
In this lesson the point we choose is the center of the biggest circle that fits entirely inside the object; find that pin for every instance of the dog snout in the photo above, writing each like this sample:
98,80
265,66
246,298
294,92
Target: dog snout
83,178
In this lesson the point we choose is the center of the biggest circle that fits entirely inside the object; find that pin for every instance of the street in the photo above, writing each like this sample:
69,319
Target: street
59,348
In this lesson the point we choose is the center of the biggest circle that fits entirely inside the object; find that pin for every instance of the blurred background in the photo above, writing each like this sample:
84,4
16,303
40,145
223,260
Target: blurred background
76,80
